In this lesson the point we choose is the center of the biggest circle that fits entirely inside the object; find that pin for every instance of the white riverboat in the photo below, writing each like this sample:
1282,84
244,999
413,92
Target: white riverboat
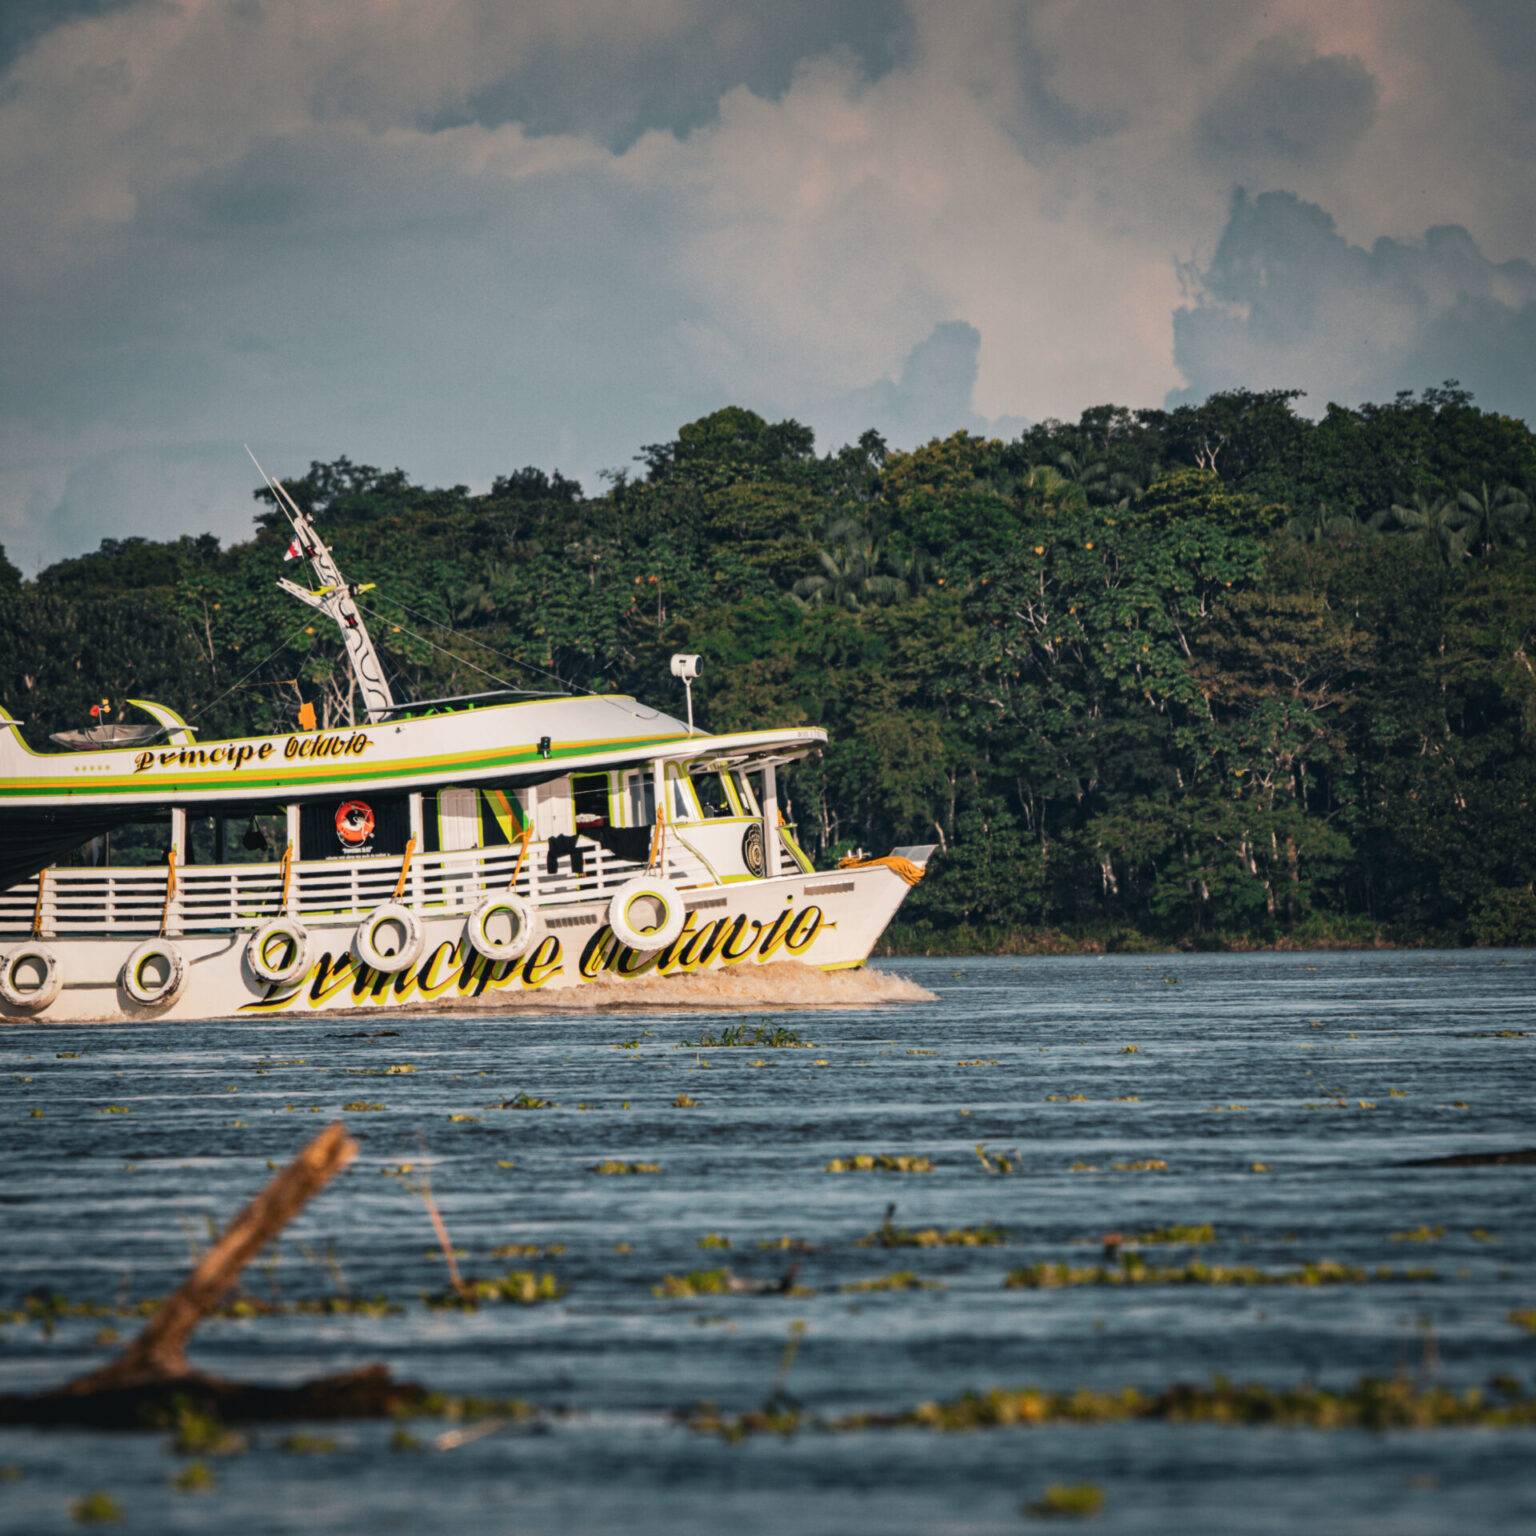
433,853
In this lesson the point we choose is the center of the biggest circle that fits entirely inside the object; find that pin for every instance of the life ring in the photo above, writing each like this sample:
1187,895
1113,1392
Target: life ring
354,822
278,951
646,913
377,926
154,973
29,978
506,912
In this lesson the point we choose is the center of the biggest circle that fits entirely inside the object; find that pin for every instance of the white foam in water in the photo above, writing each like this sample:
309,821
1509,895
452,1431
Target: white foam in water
786,984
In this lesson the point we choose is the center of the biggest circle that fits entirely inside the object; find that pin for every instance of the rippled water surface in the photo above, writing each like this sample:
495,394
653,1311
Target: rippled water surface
1286,1095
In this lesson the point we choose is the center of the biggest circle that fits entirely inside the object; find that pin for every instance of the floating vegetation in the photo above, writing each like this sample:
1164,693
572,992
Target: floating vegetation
1524,1317
1420,1234
887,1235
683,1101
613,1168
995,1162
1140,1165
521,1287
714,1240
773,1036
116,1109
527,1101
880,1162
463,1119
195,1477
528,1251
1130,1050
1067,1501
1204,1232
900,1280
399,1069
200,1433
96,1508
697,1282
979,1061
1066,1098
1371,1403
786,1244
362,1107
303,1443
1133,1269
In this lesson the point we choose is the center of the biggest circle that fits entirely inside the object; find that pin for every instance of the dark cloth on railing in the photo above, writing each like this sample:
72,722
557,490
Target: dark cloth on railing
568,848
632,844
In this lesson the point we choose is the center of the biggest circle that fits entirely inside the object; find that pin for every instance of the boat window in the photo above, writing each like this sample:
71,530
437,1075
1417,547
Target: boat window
709,789
680,795
236,835
133,844
745,794
589,793
639,798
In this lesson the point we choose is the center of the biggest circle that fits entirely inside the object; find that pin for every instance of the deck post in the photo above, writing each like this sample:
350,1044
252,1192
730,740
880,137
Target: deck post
418,838
659,795
178,860
770,820
292,897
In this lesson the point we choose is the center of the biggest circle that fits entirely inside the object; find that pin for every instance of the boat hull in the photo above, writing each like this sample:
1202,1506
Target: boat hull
830,921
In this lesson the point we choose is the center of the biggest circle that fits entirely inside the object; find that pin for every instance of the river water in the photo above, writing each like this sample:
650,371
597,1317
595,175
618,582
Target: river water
1331,1073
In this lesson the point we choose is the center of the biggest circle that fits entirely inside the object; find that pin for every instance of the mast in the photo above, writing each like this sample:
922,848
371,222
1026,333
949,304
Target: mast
334,599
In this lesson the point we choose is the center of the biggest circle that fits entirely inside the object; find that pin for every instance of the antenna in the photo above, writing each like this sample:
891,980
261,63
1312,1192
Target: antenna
687,668
334,600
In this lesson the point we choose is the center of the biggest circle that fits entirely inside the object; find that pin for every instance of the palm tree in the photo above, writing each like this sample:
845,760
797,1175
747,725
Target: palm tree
854,570
1319,526
1488,519
1437,524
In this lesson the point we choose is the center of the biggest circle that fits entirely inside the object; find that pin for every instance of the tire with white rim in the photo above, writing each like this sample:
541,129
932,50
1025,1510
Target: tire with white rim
646,913
278,951
29,978
504,927
154,973
389,938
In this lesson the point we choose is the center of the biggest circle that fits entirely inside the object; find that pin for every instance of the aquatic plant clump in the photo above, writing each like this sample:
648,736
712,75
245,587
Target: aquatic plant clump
880,1162
1371,1403
888,1236
1134,1270
773,1037
520,1287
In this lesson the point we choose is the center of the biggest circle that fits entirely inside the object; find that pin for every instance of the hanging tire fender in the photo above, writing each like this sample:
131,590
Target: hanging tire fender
373,932
154,973
278,951
646,913
17,968
509,910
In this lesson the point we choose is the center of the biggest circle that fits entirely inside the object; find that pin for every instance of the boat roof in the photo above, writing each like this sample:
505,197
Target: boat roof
527,741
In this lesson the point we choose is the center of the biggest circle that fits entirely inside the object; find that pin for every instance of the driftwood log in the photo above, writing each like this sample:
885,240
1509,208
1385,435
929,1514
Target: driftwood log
151,1378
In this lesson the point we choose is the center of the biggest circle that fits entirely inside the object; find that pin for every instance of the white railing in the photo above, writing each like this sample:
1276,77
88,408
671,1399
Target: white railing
215,898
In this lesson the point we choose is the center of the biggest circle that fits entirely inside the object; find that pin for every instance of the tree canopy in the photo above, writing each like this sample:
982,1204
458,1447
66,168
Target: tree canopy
1221,673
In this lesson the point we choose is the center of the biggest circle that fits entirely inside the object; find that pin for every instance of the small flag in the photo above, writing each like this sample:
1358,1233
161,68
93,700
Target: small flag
293,551
306,717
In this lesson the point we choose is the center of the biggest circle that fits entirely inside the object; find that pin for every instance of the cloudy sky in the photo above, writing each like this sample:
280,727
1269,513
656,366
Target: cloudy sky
465,235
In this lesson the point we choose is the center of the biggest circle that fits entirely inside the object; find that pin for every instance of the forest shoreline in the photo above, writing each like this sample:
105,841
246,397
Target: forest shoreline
903,942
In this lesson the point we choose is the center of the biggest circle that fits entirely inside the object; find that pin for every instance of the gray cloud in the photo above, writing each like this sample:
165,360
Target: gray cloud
616,89
1287,301
932,396
1288,104
463,235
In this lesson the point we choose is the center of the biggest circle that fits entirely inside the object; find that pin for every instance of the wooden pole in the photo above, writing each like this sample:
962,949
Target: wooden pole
159,1352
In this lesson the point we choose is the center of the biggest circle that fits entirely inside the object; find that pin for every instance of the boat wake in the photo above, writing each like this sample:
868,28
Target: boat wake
784,985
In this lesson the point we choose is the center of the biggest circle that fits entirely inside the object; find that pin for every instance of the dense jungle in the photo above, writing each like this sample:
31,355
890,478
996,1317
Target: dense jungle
1225,674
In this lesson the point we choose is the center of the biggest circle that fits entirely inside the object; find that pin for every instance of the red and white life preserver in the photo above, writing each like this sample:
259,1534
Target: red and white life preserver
354,822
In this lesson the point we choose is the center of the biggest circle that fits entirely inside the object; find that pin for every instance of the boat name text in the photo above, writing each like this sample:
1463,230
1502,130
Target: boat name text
237,754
